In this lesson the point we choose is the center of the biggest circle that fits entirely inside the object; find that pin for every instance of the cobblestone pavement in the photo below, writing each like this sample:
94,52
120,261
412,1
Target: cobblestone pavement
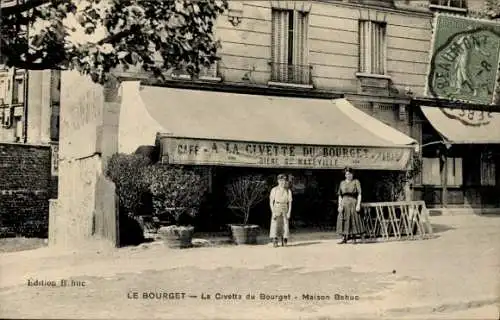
455,275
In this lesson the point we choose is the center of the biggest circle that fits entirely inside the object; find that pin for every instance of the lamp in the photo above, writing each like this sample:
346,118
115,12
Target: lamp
235,20
447,144
235,12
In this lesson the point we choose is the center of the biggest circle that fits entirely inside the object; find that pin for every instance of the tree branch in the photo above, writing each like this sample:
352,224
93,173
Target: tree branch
24,5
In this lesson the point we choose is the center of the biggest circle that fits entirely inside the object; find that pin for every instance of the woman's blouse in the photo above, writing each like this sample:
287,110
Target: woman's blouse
280,196
350,188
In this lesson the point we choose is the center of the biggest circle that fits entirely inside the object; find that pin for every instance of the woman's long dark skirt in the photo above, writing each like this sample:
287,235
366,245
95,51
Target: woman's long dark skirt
349,222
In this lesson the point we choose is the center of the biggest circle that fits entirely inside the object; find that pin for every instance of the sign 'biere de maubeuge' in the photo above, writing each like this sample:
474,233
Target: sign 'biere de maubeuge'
465,57
269,155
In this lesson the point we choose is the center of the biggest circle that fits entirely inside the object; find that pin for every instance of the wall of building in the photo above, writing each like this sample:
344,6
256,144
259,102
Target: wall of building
333,41
25,188
29,124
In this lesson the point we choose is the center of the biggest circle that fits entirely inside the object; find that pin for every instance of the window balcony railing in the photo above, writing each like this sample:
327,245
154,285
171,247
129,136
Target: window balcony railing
294,74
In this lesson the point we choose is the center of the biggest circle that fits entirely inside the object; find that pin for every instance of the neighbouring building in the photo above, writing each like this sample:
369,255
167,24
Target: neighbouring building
304,87
461,145
29,125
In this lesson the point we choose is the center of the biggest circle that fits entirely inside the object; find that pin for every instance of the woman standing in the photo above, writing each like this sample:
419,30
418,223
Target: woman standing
280,201
349,222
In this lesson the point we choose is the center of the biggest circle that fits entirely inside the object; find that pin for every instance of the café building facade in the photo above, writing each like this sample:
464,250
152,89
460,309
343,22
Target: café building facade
231,134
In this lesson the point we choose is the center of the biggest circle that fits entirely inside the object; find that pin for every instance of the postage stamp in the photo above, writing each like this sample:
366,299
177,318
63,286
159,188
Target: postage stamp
464,59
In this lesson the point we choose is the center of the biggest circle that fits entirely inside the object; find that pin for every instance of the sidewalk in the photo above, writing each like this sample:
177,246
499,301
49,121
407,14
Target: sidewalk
455,275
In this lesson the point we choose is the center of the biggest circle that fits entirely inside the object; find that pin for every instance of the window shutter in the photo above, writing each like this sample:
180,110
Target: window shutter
284,37
55,85
300,48
305,48
374,47
279,36
275,37
365,45
279,43
454,172
380,48
378,44
431,171
488,174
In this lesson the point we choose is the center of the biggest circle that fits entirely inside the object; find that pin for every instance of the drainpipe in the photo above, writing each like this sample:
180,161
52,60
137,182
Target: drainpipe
25,106
25,93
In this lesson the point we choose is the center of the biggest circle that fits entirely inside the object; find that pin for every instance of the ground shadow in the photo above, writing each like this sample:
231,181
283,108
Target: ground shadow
302,244
489,215
439,228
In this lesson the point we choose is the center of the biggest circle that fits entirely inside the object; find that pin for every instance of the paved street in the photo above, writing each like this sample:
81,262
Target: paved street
456,275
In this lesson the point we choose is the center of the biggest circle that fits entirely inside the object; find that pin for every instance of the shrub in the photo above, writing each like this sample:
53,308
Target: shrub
176,192
392,185
127,172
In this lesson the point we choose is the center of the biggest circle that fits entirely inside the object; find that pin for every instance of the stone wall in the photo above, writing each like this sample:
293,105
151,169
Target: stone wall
26,185
84,211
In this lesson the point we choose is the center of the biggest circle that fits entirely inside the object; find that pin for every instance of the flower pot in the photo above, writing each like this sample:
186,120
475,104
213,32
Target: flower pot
244,234
178,237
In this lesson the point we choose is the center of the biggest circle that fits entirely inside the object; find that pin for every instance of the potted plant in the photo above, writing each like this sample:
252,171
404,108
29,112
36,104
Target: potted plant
243,194
176,196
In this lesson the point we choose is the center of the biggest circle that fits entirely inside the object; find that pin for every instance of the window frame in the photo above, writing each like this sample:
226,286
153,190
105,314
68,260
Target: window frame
365,68
454,174
446,5
290,34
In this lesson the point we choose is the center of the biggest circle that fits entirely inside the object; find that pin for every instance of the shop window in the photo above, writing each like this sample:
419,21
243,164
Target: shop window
455,177
372,47
431,171
488,169
289,47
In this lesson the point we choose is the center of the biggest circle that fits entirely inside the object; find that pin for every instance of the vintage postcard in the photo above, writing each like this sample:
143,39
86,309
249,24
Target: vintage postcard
234,159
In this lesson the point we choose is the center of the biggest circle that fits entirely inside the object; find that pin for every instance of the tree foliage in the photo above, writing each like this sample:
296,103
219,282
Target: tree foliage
95,36
391,186
492,9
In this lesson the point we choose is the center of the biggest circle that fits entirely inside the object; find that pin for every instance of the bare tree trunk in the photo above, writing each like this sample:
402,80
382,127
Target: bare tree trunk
247,215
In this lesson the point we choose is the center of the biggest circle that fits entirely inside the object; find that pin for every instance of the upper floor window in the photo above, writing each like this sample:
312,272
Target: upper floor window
18,91
455,5
3,91
372,47
289,47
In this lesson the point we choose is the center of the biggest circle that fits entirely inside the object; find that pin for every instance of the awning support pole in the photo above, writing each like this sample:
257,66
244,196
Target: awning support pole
210,179
444,196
